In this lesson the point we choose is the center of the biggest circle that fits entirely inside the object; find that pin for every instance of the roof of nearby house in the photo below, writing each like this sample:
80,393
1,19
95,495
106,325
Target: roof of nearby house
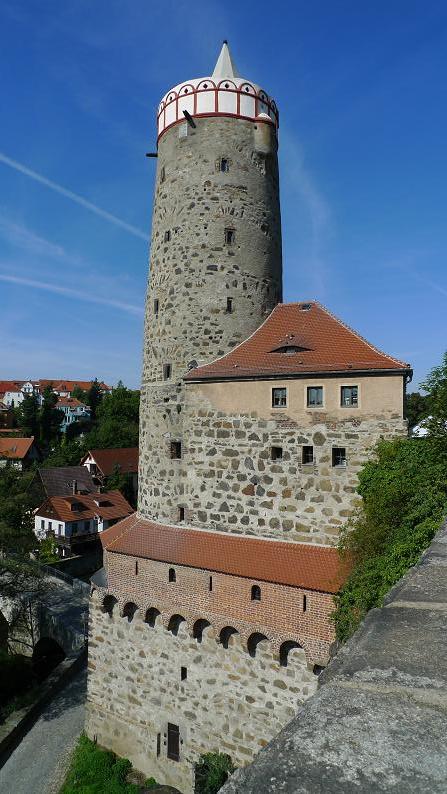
299,339
68,385
107,460
10,385
71,402
15,448
58,481
295,564
78,507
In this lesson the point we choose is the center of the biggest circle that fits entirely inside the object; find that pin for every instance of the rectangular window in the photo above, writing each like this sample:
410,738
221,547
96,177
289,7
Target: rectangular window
50,525
181,514
156,306
349,396
338,456
42,524
314,396
176,449
59,529
304,603
308,455
158,744
279,398
229,309
167,235
167,371
173,742
183,130
224,164
210,584
276,453
162,174
230,236
183,674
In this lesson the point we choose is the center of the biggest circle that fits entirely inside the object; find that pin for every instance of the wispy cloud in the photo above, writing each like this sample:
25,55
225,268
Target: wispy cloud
23,169
71,293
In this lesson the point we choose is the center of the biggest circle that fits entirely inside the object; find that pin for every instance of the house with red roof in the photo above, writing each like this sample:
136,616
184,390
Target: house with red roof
19,452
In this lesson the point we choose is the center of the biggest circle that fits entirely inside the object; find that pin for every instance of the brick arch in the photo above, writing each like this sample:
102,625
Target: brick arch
254,640
153,617
174,623
199,627
109,603
225,633
129,610
284,650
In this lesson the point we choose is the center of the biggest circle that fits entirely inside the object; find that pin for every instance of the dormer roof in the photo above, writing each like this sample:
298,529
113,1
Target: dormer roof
298,340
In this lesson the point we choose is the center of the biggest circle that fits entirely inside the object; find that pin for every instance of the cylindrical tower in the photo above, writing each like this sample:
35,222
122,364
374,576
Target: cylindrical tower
215,264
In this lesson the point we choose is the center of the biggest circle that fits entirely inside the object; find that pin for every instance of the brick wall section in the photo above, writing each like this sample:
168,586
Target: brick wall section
279,615
231,701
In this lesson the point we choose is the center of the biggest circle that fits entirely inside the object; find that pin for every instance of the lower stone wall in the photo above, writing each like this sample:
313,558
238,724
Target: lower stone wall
233,700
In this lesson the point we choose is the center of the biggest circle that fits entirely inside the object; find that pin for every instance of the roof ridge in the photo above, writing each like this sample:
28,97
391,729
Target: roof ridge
359,336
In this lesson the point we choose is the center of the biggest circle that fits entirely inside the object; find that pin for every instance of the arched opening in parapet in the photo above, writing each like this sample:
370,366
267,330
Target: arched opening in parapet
129,610
175,623
225,634
151,616
199,627
4,630
284,651
253,642
47,654
108,604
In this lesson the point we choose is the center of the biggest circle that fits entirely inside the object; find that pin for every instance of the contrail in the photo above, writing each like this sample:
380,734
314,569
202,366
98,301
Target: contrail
72,293
73,196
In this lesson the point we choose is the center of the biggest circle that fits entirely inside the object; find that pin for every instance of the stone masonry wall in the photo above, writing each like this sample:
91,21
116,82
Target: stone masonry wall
194,271
231,700
230,482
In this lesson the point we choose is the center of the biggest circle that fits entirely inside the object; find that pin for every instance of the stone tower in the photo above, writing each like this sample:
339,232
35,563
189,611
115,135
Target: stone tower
215,263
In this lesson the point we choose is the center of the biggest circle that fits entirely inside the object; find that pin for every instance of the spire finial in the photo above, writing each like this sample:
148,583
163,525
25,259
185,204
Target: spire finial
224,66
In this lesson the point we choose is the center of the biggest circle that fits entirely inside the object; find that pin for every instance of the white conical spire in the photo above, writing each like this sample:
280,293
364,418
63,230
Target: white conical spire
224,66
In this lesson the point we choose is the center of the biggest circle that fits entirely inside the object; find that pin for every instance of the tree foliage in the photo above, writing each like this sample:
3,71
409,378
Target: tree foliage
211,772
416,408
16,506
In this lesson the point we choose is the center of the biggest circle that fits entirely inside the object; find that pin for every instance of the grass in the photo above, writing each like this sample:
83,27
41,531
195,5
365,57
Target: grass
96,771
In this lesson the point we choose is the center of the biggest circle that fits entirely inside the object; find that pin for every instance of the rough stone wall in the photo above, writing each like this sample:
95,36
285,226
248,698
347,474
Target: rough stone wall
231,700
231,483
195,271
281,615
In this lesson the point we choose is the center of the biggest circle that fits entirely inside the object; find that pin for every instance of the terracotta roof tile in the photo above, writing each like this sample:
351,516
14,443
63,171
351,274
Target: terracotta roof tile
71,402
295,564
312,341
112,504
108,459
15,448
68,385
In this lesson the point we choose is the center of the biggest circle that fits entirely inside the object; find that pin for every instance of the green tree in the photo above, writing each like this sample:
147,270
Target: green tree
94,398
416,407
117,420
28,416
211,772
80,394
50,418
436,386
16,516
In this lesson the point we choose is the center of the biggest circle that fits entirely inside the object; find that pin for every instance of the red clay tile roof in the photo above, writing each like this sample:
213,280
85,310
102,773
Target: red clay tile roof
295,564
15,448
72,402
112,504
325,344
10,385
108,459
68,385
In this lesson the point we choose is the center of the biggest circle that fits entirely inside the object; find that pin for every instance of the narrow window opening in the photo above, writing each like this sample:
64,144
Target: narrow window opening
156,306
224,164
167,235
162,174
176,449
229,309
304,603
173,742
308,455
338,456
230,236
136,567
181,514
167,371
171,576
279,398
276,453
158,744
183,674
210,585
255,593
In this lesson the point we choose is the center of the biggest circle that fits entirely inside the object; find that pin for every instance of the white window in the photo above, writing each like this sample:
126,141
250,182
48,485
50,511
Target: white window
279,397
349,396
314,396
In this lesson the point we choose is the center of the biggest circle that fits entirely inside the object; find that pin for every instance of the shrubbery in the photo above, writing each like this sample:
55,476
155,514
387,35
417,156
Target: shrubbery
96,771
212,771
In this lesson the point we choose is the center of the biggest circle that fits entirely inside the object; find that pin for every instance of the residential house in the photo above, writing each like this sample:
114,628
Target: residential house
102,463
76,520
6,416
61,481
65,388
73,410
19,452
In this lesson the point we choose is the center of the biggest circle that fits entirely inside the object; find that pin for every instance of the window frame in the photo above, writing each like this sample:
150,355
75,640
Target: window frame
350,404
279,388
344,462
312,406
276,452
167,371
256,593
167,236
173,738
307,462
176,446
229,235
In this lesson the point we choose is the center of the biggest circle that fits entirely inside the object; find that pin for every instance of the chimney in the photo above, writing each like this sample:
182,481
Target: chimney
75,487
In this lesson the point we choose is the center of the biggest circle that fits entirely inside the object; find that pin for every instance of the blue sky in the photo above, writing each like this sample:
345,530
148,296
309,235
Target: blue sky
361,89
